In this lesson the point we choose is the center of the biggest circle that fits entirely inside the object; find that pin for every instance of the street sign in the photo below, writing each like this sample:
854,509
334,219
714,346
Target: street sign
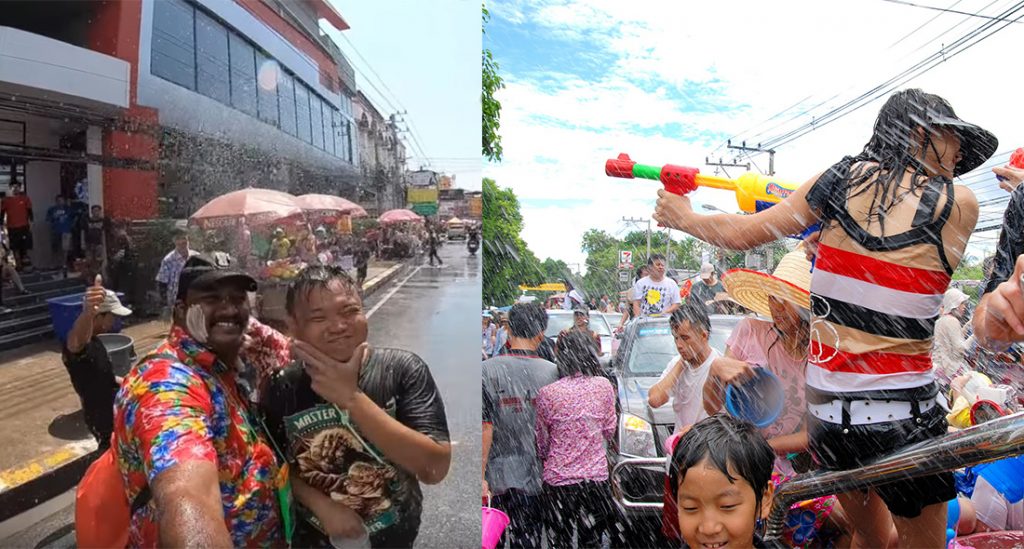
626,256
624,276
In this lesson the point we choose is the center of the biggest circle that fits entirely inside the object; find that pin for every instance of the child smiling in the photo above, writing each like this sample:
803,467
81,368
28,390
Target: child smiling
720,474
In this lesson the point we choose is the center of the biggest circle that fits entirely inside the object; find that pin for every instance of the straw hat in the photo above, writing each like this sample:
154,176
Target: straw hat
791,282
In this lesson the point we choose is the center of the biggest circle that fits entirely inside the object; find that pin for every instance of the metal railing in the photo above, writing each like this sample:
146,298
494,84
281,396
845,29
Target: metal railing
996,439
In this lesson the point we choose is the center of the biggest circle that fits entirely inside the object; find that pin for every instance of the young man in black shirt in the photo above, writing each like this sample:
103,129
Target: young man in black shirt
363,426
87,361
999,318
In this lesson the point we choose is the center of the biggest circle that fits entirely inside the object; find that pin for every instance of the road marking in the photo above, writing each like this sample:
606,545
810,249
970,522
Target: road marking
49,461
392,292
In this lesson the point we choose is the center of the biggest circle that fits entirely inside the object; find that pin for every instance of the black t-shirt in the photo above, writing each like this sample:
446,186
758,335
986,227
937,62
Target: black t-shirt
329,452
1011,241
94,230
92,376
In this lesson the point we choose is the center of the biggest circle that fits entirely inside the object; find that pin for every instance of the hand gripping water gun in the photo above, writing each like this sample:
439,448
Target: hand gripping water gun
754,192
1016,161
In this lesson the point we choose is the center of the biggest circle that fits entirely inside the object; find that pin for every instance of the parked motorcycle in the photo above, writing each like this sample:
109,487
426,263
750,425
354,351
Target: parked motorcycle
473,245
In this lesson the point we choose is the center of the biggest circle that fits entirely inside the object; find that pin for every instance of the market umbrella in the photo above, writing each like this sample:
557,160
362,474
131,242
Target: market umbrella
399,216
255,206
328,203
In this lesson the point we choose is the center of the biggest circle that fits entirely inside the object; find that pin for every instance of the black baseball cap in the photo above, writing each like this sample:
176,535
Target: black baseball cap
207,270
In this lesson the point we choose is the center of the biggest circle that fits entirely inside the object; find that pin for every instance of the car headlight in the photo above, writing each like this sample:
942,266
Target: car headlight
636,437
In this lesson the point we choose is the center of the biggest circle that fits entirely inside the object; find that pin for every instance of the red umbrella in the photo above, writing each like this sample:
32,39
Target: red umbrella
256,206
328,203
398,216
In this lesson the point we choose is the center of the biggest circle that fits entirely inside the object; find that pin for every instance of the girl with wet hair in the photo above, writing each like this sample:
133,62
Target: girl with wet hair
894,229
576,420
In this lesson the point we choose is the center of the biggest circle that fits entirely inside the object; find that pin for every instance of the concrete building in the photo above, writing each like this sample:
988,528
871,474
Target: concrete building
381,159
156,106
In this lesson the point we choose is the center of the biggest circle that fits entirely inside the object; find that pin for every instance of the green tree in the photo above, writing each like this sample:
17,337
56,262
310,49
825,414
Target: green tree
554,270
492,82
508,262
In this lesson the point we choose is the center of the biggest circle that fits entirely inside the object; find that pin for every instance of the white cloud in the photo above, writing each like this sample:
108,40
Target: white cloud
767,55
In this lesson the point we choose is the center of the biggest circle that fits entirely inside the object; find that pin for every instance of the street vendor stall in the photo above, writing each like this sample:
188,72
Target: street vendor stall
403,230
267,232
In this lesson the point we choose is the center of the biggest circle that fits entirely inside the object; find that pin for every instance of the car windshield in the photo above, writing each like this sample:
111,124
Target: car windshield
559,322
654,347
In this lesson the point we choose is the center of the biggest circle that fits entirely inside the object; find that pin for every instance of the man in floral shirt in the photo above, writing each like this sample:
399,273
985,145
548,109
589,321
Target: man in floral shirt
196,467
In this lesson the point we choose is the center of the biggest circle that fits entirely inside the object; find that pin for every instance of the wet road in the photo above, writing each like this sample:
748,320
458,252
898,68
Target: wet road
431,311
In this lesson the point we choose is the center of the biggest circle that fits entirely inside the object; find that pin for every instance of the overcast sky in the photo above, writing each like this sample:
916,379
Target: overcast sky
428,56
669,82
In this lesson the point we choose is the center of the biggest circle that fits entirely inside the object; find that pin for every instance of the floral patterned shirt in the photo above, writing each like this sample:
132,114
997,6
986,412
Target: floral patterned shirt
575,416
170,411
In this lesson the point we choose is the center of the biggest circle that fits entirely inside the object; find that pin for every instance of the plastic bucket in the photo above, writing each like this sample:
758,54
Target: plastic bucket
1006,476
493,526
758,401
64,310
989,540
121,349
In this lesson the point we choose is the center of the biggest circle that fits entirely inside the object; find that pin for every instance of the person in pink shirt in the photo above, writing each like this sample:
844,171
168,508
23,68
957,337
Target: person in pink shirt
575,419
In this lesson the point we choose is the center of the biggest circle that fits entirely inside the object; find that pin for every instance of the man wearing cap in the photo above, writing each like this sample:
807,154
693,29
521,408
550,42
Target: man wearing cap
185,443
87,361
708,288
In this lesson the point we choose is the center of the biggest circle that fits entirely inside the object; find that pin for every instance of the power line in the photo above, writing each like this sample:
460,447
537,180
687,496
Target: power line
936,8
914,71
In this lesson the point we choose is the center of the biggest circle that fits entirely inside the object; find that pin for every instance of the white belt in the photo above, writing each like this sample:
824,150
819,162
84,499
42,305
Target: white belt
866,412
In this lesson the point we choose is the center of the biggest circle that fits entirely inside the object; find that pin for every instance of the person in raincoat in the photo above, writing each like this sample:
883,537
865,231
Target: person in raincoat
280,246
894,230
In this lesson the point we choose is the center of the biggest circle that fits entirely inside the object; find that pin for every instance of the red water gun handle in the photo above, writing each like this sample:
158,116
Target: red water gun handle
679,179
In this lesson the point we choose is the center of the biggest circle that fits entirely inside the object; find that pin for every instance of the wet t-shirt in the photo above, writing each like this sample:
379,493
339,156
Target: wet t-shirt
655,297
511,383
329,451
1011,240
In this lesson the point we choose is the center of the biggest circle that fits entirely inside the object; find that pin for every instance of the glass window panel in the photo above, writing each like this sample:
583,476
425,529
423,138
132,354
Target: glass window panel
266,85
212,59
286,94
243,75
317,120
174,55
302,112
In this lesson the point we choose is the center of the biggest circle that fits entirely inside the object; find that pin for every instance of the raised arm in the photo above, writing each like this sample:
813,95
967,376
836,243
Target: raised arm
734,231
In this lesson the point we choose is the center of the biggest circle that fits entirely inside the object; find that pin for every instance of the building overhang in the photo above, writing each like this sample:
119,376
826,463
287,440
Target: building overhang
325,10
57,72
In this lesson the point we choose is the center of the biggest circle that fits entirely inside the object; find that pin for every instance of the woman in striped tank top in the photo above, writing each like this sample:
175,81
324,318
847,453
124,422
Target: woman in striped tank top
894,229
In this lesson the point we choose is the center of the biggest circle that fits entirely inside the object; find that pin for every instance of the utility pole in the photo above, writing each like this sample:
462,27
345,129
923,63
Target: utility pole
744,148
637,221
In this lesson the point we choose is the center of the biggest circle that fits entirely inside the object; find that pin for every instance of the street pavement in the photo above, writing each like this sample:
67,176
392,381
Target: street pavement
428,310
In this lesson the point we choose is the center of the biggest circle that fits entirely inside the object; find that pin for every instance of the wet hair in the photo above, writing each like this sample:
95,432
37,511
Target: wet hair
577,354
527,320
316,277
693,312
890,146
640,271
655,257
725,442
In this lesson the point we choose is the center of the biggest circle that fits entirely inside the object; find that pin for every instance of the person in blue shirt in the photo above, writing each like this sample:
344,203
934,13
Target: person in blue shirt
60,221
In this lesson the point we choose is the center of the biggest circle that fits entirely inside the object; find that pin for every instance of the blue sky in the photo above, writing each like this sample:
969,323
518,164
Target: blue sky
669,82
428,56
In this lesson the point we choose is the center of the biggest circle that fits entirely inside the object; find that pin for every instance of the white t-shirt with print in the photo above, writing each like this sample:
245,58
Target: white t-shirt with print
688,392
655,297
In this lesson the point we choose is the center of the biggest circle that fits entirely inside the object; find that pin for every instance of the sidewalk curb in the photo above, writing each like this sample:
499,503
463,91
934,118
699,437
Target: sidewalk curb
376,283
47,476
44,477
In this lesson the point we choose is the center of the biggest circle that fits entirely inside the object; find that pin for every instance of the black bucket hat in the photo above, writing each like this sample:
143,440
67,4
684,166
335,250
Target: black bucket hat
976,143
208,270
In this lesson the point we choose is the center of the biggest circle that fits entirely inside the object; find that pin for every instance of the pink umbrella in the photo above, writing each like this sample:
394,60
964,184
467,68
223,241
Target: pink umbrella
398,216
255,206
328,203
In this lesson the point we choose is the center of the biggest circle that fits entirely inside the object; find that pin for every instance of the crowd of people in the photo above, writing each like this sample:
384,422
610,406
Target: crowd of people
210,431
868,342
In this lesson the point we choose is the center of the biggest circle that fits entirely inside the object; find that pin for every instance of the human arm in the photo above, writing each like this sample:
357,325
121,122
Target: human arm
790,444
734,231
338,519
405,446
541,426
487,411
171,433
611,419
999,318
1010,177
661,391
81,330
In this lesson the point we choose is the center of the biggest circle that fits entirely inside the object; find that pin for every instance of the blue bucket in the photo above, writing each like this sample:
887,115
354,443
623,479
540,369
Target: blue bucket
759,400
64,311
1006,476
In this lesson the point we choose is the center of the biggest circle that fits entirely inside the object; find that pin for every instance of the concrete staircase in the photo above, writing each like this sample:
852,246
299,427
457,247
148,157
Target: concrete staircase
29,317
